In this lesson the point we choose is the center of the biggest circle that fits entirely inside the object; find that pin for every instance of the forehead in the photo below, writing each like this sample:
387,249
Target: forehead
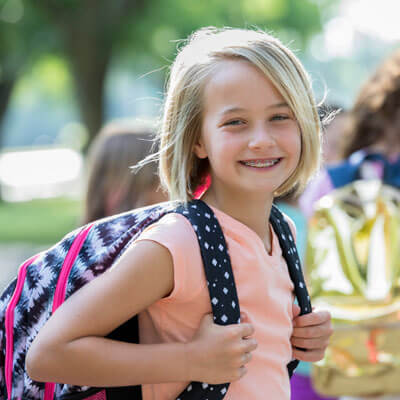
239,84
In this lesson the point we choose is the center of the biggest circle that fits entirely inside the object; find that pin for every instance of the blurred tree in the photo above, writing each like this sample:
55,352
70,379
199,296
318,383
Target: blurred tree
23,37
163,23
92,32
89,30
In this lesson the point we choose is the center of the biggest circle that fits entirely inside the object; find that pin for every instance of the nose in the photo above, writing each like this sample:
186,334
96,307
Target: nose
261,138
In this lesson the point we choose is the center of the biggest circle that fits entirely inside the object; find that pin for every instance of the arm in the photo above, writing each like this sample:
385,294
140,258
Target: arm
71,347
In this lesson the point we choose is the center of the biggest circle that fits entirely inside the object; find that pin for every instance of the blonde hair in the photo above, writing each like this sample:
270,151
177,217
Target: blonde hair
180,170
118,146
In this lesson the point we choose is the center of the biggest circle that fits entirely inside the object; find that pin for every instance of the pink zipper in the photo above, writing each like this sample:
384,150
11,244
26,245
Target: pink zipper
59,294
9,322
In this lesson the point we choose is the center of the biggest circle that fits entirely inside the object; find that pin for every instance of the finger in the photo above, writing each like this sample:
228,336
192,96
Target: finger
245,330
295,310
249,345
241,372
311,332
310,344
314,318
244,317
246,357
309,355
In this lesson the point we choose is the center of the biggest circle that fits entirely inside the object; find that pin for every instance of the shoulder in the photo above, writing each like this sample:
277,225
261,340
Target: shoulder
284,209
171,227
175,233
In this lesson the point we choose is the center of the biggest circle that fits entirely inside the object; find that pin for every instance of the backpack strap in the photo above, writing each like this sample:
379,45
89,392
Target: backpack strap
220,282
289,252
221,285
223,297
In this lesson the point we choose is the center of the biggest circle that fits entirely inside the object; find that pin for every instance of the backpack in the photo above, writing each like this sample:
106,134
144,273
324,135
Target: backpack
353,265
47,279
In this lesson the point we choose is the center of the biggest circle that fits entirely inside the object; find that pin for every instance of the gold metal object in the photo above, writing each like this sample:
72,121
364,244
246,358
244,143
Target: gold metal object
353,268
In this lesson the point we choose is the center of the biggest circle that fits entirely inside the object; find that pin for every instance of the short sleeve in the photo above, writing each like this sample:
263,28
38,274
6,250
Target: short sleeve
175,233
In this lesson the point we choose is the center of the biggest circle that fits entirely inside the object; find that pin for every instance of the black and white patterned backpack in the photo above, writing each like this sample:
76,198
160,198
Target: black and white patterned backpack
47,279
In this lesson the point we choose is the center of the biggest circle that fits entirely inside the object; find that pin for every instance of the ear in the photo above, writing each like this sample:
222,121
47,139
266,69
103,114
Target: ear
200,149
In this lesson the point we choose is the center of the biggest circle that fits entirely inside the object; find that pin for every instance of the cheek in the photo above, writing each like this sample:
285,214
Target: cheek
292,142
220,146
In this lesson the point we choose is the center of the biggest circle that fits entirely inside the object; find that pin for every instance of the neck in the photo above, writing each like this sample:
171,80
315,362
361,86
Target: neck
252,210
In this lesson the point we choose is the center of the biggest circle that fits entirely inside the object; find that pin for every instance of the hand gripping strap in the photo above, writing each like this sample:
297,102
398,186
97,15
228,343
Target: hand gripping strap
289,252
220,281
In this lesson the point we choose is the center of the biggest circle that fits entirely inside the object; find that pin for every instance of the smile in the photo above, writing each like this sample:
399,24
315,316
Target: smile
261,163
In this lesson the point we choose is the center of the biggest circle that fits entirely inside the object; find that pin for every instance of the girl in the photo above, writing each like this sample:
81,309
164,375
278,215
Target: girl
240,109
112,188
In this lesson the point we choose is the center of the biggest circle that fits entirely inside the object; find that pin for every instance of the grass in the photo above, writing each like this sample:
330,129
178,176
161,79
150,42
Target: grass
38,221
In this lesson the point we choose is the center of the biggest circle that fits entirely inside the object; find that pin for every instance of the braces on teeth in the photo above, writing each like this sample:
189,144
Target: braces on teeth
260,164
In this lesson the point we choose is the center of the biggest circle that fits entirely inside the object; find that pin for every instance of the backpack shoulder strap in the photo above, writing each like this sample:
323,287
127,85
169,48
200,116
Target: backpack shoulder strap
289,252
220,282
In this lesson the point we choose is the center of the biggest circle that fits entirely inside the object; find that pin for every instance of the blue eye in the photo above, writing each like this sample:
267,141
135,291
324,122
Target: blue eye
234,122
279,117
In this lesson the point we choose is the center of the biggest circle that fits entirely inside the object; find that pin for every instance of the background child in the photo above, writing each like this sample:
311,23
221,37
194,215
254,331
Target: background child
112,187
372,128
239,107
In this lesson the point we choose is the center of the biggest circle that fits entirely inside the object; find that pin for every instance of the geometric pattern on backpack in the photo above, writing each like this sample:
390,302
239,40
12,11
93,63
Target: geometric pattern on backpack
105,243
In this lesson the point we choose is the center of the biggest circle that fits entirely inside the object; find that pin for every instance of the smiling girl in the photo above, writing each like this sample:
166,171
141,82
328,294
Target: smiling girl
239,109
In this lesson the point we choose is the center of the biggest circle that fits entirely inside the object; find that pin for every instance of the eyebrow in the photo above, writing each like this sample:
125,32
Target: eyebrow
238,109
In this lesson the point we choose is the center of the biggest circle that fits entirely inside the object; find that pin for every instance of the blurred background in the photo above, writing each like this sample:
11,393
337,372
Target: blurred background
69,66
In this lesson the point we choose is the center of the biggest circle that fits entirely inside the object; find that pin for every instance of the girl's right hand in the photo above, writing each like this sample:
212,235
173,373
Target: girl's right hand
218,354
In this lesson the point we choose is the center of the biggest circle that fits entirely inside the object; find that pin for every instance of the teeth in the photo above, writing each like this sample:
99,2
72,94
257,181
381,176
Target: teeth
261,164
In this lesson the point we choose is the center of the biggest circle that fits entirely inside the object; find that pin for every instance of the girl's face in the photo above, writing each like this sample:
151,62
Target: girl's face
249,134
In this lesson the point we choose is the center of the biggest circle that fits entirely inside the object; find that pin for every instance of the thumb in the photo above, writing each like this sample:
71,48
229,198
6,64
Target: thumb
295,310
244,317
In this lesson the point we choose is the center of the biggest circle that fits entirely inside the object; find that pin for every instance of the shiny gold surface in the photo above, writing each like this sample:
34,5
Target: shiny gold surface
353,268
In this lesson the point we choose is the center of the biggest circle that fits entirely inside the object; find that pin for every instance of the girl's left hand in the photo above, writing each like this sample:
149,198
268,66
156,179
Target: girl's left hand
310,332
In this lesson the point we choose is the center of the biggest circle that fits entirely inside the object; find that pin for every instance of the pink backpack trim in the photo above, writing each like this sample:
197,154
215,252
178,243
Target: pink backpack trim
98,396
9,322
59,294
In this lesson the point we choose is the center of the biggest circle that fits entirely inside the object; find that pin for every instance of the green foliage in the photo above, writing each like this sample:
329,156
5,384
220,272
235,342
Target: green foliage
80,38
38,221
163,23
24,33
49,76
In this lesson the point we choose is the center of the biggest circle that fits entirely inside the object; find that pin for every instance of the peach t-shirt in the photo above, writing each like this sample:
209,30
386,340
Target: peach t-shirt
265,293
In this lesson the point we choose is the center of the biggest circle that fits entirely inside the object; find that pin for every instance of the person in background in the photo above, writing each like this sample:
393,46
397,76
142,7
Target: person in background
372,127
371,134
112,187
